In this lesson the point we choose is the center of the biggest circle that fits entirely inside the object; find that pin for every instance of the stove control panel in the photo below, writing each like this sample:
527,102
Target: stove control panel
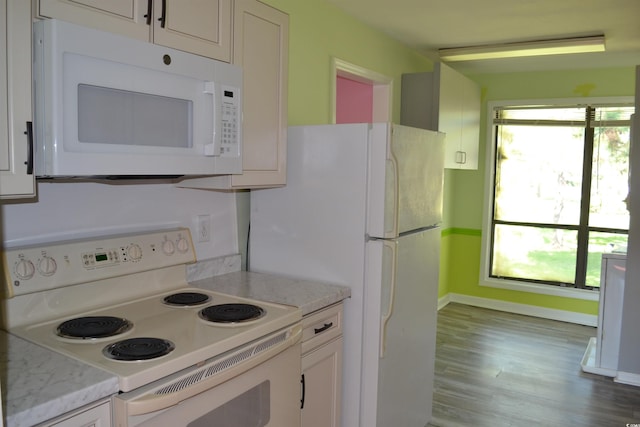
58,264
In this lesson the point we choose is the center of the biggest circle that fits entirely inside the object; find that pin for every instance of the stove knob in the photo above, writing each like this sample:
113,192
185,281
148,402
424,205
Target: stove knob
47,266
24,269
134,252
168,247
183,245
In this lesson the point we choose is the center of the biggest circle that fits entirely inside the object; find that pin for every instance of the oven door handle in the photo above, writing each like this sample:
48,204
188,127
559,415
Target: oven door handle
149,403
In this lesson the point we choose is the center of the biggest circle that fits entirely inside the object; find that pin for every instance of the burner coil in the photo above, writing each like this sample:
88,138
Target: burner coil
91,327
141,348
231,313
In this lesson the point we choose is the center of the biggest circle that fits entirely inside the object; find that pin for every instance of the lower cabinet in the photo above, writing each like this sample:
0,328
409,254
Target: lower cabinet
322,368
94,415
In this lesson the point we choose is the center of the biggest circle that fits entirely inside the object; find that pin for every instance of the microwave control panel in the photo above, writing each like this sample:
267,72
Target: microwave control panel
231,121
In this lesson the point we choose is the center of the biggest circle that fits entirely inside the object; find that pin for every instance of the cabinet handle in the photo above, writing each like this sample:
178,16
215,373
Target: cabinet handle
163,15
461,157
303,391
29,162
324,328
148,15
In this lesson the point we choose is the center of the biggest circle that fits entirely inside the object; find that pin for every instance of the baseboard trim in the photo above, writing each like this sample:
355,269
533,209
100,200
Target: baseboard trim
443,301
627,378
528,310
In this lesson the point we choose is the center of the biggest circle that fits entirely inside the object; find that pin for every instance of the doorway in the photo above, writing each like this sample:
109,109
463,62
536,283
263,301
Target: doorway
359,95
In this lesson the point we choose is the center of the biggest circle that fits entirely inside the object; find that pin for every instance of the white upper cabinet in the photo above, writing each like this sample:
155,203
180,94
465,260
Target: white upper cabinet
202,27
126,17
16,161
261,48
446,101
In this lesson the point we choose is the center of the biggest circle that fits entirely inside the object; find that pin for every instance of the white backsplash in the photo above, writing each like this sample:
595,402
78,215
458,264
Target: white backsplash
71,210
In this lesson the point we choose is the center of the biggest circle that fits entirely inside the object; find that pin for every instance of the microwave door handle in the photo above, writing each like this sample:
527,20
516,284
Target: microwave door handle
212,149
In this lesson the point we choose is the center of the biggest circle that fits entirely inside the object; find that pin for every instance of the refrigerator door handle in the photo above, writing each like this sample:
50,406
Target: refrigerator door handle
396,191
393,245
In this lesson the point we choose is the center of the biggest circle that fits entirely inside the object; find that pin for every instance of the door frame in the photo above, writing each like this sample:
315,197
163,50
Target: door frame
382,88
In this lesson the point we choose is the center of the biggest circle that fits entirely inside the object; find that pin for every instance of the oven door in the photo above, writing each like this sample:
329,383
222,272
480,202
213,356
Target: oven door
259,393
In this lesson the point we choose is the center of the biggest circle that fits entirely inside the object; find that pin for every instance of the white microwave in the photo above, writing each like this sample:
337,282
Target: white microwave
110,106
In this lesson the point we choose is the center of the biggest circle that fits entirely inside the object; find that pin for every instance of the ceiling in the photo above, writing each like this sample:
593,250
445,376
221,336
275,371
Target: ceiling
429,25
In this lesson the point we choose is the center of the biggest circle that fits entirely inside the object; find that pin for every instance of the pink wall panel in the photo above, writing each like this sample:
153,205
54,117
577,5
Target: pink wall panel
354,101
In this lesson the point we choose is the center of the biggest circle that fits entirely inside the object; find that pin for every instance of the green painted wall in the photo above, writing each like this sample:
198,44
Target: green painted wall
319,31
465,189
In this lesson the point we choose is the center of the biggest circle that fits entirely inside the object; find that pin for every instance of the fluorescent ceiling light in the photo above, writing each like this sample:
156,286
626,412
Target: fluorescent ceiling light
535,48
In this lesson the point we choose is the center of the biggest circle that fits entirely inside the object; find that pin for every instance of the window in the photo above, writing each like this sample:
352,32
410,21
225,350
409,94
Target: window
560,180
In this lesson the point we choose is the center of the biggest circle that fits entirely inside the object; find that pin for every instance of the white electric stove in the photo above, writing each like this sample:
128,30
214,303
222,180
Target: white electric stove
122,304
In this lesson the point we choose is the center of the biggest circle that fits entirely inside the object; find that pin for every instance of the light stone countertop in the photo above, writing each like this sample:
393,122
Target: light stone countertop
39,384
308,295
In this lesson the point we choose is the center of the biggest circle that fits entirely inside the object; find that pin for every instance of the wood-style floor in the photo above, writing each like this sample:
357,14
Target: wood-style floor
500,369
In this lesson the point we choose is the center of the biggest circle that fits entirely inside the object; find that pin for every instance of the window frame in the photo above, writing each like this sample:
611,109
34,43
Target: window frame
489,176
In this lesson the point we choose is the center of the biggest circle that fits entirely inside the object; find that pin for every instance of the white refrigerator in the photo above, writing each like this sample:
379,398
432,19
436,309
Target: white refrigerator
362,208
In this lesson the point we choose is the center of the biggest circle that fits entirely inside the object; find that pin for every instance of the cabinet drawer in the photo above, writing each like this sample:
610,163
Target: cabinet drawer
321,327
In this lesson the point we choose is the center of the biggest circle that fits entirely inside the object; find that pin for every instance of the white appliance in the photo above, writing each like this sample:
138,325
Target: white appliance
362,208
107,105
601,355
181,355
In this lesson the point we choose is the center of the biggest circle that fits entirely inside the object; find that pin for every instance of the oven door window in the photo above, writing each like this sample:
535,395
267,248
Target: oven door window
215,408
250,409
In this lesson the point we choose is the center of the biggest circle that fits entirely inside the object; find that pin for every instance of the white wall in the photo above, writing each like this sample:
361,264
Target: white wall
80,209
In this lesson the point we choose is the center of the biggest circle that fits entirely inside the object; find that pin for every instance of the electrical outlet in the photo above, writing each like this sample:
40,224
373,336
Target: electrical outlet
204,228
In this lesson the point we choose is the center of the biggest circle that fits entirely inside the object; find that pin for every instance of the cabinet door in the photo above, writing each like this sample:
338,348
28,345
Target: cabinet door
449,94
16,179
260,46
322,377
94,416
202,27
127,17
458,112
470,126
